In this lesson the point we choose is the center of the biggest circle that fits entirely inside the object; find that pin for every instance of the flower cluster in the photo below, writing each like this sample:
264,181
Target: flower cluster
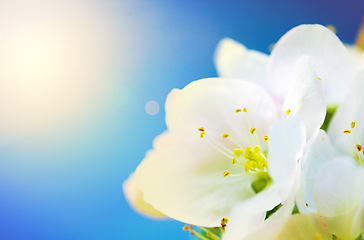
244,156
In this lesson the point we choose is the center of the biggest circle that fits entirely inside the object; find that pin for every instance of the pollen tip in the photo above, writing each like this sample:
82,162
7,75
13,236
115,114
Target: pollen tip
352,124
202,134
226,173
318,236
186,227
201,129
346,131
358,147
238,110
224,221
233,161
265,138
306,204
331,27
244,110
225,135
319,78
238,152
252,130
288,111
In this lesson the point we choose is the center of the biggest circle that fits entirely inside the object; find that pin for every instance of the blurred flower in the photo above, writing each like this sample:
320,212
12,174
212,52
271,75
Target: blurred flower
335,66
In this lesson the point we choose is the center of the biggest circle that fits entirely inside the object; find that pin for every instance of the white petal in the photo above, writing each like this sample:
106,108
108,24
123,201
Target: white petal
297,227
234,60
135,199
211,103
334,65
349,111
286,144
305,97
185,182
320,152
339,197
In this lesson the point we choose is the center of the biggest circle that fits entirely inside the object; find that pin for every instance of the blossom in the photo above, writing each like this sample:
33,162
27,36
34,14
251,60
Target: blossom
228,144
335,66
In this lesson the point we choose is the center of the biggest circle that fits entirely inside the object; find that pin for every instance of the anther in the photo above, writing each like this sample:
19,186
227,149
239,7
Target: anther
319,78
224,222
226,173
288,111
202,134
238,152
306,204
238,110
265,138
346,131
225,135
252,130
352,124
358,147
201,129
244,110
233,161
186,228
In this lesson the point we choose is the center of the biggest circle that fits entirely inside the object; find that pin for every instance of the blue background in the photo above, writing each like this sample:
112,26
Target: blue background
73,189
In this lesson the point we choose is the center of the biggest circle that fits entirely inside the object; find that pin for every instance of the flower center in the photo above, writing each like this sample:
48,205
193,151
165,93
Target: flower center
249,159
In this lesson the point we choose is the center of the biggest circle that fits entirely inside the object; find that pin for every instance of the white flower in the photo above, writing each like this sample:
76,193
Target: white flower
276,72
225,145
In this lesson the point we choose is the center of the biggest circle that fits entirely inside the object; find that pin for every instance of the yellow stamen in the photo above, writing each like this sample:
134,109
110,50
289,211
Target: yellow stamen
226,173
202,134
306,204
332,28
319,78
201,129
224,222
265,138
238,110
352,124
186,228
252,130
288,111
256,149
358,147
238,152
225,135
346,131
233,161
244,110
318,236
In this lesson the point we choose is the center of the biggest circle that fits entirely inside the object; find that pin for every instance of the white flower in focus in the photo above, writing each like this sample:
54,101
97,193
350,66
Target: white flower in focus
276,72
226,146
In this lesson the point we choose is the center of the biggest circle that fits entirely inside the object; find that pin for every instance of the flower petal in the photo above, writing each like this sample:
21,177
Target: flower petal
286,144
305,97
212,104
334,65
234,60
349,111
339,197
186,182
320,152
135,199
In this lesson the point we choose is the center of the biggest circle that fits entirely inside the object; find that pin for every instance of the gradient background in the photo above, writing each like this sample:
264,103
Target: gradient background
74,80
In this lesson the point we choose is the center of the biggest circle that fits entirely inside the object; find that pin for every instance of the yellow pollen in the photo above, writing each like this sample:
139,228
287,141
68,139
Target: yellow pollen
244,110
306,204
318,236
256,149
201,129
358,147
319,78
202,134
224,222
250,165
352,124
265,138
346,131
238,110
332,28
233,161
252,130
238,152
225,135
226,173
288,111
186,228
